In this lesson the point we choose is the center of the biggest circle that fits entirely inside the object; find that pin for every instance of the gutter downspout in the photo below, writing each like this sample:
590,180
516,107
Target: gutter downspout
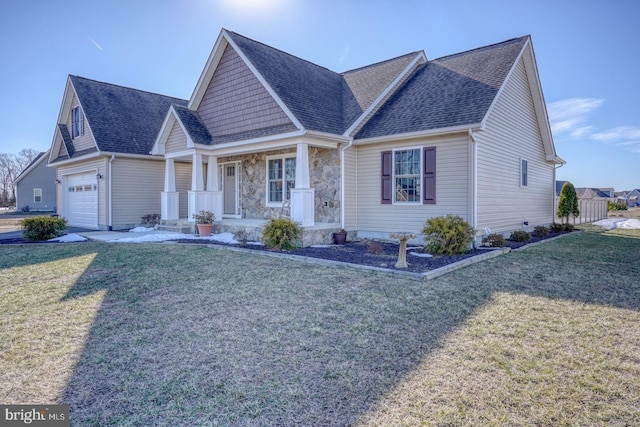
473,174
342,180
109,176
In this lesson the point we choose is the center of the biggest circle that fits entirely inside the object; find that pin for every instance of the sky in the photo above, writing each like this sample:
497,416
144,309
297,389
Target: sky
586,51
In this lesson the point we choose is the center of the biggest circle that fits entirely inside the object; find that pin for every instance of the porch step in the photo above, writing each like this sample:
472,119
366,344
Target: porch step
176,226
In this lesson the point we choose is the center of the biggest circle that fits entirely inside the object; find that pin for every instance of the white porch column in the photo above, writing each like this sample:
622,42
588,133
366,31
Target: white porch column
197,181
213,187
303,196
197,187
169,199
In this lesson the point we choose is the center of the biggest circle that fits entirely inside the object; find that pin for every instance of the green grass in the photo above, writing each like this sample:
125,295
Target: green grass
188,335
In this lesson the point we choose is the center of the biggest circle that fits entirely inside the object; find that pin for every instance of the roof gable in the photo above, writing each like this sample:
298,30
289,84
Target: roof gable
456,90
122,120
313,94
236,102
34,163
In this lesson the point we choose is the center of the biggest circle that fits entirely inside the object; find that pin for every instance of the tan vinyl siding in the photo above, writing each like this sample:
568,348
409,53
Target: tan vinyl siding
94,166
350,189
85,141
183,186
451,187
177,140
512,134
62,151
236,101
136,189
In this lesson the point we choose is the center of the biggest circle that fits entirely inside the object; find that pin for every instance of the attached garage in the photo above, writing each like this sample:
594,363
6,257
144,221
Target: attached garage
81,200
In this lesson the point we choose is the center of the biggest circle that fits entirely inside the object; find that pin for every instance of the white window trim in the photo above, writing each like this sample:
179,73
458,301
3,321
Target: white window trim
276,157
524,185
80,122
35,191
238,185
420,176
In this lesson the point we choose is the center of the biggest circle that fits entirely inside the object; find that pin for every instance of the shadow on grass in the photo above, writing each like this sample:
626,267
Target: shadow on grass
194,336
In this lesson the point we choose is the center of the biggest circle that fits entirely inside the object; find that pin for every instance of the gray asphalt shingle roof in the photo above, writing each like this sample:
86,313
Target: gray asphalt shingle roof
312,93
451,91
193,124
123,120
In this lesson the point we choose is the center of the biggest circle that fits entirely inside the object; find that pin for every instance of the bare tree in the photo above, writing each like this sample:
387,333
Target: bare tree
11,165
6,178
25,157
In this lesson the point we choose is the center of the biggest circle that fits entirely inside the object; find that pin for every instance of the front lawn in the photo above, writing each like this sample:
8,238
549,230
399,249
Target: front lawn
157,334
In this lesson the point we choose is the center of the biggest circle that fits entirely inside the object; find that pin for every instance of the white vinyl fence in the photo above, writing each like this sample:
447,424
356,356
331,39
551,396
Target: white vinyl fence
591,210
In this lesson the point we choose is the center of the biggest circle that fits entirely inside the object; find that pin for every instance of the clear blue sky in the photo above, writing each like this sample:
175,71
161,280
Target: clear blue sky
587,54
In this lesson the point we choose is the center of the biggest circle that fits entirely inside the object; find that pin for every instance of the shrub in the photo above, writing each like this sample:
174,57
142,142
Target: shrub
374,248
541,231
561,228
150,220
241,236
617,205
447,235
204,217
568,203
520,236
556,227
494,240
26,208
281,233
43,227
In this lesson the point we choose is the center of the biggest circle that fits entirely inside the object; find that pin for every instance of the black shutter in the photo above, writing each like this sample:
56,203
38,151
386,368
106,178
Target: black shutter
429,177
386,178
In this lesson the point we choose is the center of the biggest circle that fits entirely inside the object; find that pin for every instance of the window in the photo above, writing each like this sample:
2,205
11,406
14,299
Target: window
409,176
524,173
37,195
406,172
77,122
281,178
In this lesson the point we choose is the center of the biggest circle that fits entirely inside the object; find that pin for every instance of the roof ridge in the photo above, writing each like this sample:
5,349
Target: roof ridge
283,52
126,87
489,46
380,62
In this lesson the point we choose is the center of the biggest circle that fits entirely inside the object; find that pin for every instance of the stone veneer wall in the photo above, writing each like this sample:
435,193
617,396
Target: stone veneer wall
324,175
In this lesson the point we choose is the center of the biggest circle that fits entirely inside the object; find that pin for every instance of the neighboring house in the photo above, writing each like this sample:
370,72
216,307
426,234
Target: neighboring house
607,191
36,186
100,150
373,150
591,193
633,198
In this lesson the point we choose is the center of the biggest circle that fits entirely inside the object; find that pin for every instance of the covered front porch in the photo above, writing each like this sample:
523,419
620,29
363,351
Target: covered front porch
221,194
245,189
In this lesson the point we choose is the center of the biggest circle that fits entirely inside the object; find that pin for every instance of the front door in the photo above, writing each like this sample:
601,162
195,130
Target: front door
230,189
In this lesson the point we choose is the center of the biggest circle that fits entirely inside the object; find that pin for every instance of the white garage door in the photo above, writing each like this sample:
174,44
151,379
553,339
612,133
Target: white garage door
82,200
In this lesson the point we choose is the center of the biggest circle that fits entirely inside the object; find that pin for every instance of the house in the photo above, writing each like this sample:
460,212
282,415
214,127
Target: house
36,186
106,177
591,193
373,150
633,198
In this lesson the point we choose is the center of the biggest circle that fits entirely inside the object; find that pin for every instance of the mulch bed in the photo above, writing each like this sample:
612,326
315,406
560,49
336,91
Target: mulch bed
381,254
365,252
